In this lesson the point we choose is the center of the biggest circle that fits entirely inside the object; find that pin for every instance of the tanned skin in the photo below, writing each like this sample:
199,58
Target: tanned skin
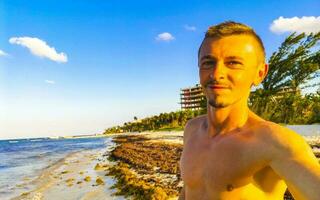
231,153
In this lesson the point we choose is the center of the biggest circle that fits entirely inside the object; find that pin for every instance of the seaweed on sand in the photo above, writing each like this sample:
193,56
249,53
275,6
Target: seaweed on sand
145,170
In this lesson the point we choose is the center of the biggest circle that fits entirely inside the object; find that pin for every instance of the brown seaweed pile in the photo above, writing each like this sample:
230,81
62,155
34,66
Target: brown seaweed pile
144,155
147,170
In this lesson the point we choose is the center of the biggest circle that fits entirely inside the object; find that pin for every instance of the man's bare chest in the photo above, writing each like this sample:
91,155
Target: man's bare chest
223,164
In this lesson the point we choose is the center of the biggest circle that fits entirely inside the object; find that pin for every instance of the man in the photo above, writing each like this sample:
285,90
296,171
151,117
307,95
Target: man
231,153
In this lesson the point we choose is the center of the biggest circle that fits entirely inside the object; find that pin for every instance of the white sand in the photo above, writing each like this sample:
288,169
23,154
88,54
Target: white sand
160,136
64,181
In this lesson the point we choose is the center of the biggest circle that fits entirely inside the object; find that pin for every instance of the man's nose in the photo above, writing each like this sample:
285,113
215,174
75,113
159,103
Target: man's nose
218,72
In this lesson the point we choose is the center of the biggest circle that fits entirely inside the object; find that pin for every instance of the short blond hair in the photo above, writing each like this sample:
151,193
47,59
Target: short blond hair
228,28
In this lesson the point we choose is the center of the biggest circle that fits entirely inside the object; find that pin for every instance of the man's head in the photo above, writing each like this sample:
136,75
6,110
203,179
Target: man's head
231,59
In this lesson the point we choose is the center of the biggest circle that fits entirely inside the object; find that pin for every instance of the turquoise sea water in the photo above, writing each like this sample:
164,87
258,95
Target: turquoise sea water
24,159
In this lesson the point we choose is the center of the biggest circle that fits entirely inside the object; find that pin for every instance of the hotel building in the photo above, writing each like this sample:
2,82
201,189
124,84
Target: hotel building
191,98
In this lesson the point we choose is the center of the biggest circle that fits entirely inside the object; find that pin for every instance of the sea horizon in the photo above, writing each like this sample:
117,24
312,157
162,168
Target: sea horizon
299,128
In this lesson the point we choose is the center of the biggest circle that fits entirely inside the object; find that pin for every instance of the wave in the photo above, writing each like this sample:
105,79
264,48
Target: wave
36,140
4,166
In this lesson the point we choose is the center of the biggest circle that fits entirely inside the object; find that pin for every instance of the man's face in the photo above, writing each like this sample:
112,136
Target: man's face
228,67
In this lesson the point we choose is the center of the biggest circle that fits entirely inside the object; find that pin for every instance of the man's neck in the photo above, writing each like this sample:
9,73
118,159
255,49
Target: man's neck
223,120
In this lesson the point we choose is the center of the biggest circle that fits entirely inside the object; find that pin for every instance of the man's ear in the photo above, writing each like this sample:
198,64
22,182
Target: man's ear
261,74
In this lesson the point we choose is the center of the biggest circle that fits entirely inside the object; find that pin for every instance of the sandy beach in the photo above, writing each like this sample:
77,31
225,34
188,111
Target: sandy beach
147,165
94,174
80,175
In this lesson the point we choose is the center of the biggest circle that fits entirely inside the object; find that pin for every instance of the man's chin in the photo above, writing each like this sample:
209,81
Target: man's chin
217,104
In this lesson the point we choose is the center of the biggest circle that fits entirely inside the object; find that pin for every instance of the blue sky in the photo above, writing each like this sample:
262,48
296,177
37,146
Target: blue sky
110,61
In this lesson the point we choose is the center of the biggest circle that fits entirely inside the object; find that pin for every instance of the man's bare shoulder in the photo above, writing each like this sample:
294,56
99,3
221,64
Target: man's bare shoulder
195,122
192,125
282,139
293,160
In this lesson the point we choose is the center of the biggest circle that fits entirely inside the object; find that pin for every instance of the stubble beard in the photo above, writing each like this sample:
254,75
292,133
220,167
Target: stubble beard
214,103
214,100
221,101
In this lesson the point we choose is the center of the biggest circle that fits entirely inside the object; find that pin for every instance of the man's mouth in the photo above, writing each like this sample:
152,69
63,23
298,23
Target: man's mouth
218,87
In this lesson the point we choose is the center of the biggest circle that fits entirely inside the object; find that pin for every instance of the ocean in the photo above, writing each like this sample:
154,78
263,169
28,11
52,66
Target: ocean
23,159
306,130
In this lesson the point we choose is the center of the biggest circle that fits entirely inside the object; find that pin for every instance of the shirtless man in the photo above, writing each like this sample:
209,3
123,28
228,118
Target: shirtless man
231,153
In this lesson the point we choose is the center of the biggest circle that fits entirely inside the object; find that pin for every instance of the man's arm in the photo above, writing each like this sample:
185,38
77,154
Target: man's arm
294,161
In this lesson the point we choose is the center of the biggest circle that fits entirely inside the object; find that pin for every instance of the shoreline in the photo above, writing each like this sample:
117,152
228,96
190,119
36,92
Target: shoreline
79,175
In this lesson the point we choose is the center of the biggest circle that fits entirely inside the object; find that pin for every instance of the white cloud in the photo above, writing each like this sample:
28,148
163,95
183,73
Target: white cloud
39,48
2,53
165,37
50,82
295,24
190,28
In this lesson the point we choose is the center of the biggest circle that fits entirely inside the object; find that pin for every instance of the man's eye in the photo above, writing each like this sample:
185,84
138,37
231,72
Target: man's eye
208,64
234,63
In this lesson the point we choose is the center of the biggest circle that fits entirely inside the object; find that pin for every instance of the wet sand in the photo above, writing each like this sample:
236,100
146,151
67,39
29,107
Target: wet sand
80,175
